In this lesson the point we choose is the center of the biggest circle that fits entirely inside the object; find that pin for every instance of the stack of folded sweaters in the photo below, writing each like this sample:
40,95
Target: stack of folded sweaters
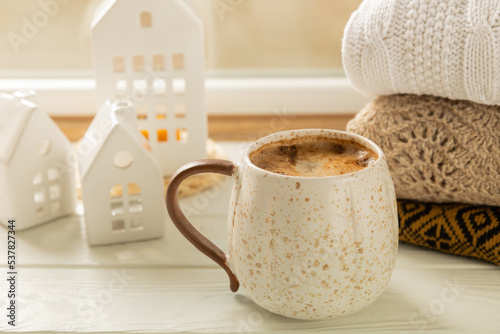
434,69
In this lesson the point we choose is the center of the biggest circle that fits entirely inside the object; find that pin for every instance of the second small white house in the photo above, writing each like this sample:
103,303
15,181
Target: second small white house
151,52
122,184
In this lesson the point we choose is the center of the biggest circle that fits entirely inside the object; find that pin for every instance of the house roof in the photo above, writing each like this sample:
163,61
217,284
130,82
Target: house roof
15,113
101,11
108,5
110,118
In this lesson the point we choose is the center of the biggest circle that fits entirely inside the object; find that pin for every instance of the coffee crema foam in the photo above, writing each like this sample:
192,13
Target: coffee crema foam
313,156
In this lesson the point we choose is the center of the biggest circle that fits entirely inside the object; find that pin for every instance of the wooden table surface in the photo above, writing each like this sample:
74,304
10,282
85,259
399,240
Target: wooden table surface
234,127
166,285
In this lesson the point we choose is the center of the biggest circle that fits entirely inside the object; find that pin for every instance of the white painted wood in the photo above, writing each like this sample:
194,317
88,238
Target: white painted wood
283,96
120,300
168,286
63,243
263,96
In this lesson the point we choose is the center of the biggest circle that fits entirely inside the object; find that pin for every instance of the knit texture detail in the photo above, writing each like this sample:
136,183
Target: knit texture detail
438,150
447,48
459,229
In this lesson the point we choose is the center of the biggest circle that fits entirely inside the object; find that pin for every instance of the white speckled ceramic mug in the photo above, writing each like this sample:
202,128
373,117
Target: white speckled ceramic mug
303,247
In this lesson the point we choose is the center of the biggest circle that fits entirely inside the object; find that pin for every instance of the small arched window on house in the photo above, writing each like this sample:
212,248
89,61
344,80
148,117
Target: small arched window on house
146,20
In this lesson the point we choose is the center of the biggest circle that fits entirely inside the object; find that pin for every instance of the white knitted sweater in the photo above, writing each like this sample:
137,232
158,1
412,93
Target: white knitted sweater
448,48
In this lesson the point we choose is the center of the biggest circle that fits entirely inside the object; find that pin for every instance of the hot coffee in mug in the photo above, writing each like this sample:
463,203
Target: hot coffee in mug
313,156
312,222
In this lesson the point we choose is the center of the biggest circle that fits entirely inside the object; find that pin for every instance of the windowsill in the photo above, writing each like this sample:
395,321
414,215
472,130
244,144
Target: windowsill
224,96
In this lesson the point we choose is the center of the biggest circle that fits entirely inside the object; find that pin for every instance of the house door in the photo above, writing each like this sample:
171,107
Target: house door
126,208
47,193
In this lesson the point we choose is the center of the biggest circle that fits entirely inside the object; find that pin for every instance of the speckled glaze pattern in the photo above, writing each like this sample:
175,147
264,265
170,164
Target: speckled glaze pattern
313,247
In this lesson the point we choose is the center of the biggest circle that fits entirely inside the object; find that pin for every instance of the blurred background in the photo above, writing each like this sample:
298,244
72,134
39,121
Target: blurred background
243,37
264,59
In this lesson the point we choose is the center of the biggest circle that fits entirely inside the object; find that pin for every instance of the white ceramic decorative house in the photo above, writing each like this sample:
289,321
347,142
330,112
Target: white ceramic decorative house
37,180
151,52
122,184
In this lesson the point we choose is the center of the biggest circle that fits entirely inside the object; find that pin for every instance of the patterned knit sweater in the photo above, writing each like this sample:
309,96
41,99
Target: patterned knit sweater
438,150
447,48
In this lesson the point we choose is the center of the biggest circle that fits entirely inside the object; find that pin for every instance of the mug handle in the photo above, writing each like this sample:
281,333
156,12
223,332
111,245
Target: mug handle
182,223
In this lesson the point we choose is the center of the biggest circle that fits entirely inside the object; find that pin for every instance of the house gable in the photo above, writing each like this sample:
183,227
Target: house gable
42,140
101,11
160,12
110,118
14,115
119,139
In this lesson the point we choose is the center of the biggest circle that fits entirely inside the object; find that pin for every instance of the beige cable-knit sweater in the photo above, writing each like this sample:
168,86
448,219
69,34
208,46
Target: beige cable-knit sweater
448,48
438,150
